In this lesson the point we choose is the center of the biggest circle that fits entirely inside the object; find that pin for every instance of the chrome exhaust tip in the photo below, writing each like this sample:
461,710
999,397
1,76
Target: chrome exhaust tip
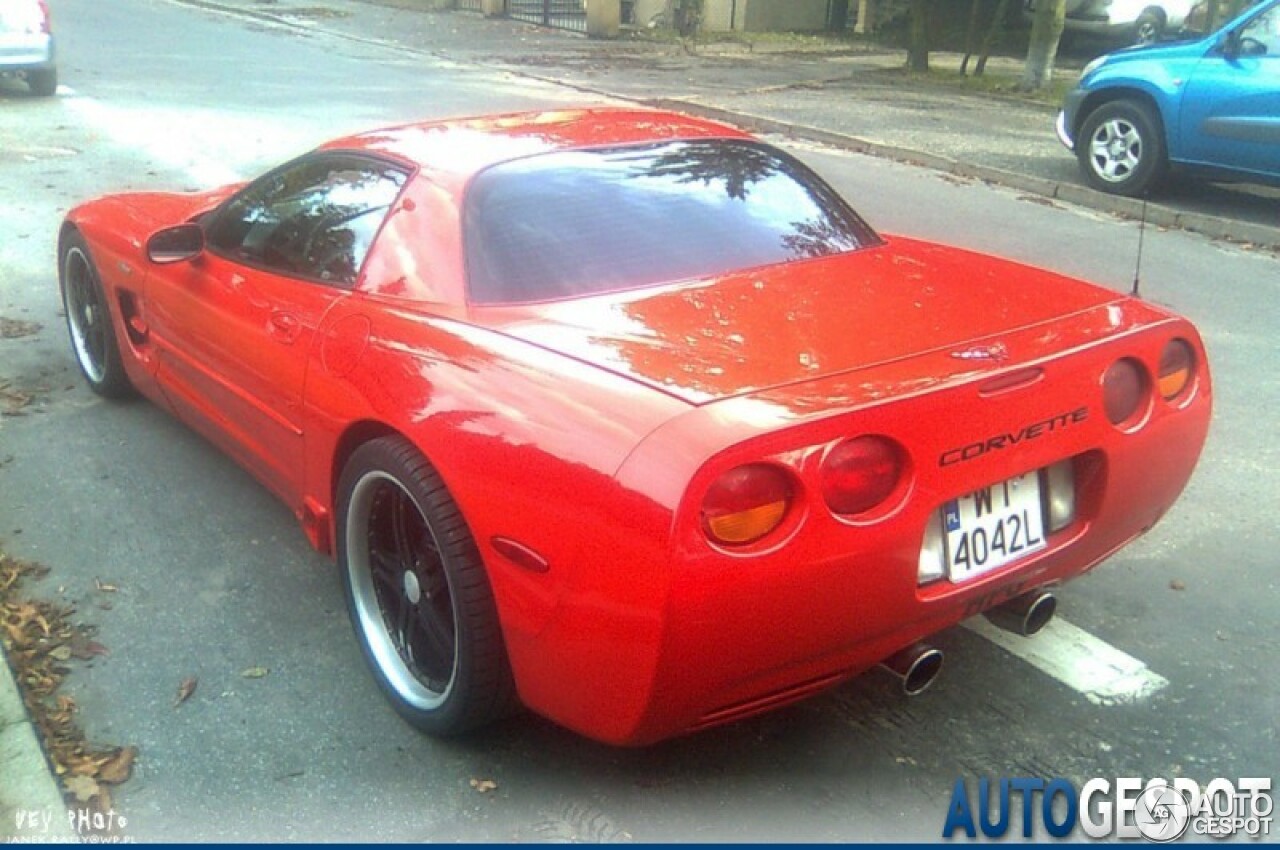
916,666
1026,614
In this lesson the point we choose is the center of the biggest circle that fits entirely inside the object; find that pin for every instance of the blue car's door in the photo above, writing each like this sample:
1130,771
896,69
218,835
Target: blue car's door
1230,114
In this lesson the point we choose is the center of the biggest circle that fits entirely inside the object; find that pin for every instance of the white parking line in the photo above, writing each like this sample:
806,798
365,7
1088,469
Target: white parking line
1095,668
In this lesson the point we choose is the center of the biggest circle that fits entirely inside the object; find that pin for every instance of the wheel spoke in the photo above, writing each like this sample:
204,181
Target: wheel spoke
384,568
437,642
404,616
402,539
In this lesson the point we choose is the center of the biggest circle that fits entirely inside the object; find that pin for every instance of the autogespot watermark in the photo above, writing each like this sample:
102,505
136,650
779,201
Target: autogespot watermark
1127,807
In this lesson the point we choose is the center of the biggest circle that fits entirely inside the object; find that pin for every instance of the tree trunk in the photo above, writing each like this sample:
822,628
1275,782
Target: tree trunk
918,54
994,32
1046,31
866,23
971,35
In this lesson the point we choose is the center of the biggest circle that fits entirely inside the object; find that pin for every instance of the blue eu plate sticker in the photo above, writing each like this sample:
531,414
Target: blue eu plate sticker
951,511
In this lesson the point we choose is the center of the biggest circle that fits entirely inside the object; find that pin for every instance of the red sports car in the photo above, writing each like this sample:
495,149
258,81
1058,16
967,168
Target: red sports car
628,418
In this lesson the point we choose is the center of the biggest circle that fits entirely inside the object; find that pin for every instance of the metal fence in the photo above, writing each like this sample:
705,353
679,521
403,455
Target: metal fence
561,14
470,5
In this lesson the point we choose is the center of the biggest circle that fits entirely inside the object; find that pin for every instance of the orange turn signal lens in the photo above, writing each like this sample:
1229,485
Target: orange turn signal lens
746,503
1177,364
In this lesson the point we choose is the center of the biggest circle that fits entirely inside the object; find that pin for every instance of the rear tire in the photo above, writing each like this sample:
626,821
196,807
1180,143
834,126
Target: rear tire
43,83
417,592
89,320
1121,149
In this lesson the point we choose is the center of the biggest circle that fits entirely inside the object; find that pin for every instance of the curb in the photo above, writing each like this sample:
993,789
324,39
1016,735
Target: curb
1215,227
31,806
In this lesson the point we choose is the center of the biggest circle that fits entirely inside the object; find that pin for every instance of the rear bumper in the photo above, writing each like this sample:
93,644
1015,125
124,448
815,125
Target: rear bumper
774,633
692,637
26,52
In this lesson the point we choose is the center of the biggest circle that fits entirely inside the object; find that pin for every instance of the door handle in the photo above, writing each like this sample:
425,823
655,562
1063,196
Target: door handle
284,326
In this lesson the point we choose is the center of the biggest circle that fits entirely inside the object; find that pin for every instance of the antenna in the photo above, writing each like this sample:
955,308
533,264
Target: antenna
1137,268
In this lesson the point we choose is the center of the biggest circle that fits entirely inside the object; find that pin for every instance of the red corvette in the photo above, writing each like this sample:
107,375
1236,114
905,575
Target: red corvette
628,418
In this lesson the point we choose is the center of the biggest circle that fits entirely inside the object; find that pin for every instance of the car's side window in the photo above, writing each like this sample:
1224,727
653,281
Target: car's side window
1265,29
314,218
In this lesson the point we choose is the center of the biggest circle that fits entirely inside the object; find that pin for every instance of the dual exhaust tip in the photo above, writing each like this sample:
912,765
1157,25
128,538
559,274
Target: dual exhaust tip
919,664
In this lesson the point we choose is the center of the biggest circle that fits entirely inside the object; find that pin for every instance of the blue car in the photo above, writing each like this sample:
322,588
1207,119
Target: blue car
1207,106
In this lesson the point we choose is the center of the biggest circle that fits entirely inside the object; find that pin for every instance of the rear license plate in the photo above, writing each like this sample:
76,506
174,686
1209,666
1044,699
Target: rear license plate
993,526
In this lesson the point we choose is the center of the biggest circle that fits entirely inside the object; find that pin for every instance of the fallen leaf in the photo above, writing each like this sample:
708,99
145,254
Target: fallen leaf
61,653
254,672
104,588
484,786
104,803
185,690
119,768
86,649
84,787
1177,584
15,328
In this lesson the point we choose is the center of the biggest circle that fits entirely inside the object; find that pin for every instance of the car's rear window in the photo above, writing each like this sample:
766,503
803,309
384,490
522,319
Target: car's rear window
580,222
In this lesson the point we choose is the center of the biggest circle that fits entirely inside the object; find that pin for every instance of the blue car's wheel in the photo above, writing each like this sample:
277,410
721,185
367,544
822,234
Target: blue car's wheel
1121,149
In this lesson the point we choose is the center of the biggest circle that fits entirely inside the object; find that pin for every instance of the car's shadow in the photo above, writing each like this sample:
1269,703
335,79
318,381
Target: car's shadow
13,88
1249,202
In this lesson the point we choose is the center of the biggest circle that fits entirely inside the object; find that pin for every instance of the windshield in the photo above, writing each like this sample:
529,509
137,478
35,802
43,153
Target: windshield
580,222
1206,16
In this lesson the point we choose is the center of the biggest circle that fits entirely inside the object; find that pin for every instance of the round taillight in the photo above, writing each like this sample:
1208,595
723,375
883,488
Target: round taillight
859,474
1177,364
746,503
1124,388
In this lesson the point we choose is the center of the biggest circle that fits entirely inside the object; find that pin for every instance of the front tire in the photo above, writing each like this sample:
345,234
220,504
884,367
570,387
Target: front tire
1121,149
89,323
418,594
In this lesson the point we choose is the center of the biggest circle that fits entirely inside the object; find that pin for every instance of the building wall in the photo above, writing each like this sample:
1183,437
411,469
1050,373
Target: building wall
645,10
716,15
783,15
750,15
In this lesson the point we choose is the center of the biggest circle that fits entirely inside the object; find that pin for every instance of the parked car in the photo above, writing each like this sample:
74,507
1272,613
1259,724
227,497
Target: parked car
1208,106
27,44
1130,21
630,416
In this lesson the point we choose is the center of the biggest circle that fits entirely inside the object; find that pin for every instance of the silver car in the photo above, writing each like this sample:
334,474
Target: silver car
1134,21
26,44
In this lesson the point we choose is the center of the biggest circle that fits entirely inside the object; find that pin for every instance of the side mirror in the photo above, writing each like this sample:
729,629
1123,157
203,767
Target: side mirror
1251,47
1237,45
176,244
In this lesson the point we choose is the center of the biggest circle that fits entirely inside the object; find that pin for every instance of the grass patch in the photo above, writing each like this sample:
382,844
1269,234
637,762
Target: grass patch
993,84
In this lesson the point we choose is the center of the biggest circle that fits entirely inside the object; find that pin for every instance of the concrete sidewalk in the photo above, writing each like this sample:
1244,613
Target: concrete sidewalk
31,807
853,95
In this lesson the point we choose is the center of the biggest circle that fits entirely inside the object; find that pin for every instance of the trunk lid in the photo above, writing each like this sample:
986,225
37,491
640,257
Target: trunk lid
767,328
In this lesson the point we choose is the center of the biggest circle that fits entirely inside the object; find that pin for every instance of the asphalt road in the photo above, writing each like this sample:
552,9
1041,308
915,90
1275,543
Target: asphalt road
215,577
